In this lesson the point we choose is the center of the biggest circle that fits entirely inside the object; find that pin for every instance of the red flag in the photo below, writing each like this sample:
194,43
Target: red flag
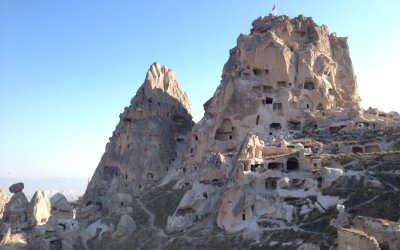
273,8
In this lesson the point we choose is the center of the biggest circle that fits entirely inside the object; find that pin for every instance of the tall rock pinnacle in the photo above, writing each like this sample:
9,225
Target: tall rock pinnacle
143,147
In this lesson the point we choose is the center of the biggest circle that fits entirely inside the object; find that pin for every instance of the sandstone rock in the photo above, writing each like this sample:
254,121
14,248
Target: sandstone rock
60,208
3,202
125,226
40,207
67,231
282,141
147,142
16,210
17,187
38,242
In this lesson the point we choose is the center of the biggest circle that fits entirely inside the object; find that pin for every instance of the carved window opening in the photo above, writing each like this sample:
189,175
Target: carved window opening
357,150
275,165
320,107
225,132
258,119
269,100
150,175
309,85
254,166
292,164
257,72
275,126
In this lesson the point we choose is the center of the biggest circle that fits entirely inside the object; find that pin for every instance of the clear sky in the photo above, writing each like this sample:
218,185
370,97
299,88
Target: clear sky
69,67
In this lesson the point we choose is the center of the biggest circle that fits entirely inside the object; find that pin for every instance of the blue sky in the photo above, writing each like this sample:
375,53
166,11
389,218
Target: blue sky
69,67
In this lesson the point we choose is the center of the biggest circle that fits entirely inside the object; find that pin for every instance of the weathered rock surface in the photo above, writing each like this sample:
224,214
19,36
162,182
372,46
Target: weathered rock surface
16,210
40,207
146,144
17,187
60,208
3,202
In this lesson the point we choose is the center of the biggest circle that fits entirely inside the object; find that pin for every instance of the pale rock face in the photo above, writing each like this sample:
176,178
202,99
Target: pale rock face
3,201
285,75
40,207
147,143
60,209
125,226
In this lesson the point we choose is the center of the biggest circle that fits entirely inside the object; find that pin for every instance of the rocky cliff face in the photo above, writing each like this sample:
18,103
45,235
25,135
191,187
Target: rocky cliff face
287,74
146,144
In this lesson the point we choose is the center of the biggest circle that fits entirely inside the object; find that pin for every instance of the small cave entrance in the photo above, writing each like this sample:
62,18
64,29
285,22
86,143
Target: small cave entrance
319,107
150,176
357,150
254,166
127,119
225,132
275,126
275,165
245,166
99,206
334,129
309,85
257,72
180,140
258,119
243,216
292,164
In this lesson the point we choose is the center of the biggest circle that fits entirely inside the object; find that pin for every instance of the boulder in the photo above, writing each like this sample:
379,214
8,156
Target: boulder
125,226
17,187
40,207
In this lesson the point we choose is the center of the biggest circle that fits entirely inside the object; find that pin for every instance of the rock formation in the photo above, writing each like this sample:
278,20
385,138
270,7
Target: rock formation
16,210
40,207
284,158
3,202
146,144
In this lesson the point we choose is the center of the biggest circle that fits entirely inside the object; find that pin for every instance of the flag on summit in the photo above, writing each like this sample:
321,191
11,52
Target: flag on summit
273,7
